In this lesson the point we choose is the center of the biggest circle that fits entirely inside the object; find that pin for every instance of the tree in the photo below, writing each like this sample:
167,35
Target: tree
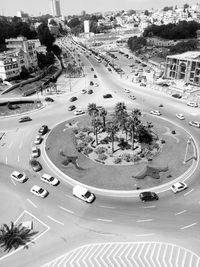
182,47
14,236
96,123
134,122
146,13
103,114
92,110
112,128
121,114
136,43
45,37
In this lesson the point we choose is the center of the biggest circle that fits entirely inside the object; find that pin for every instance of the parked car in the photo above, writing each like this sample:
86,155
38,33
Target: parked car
49,179
79,112
83,193
148,196
36,166
72,107
91,83
180,116
143,84
96,84
19,177
155,112
38,140
178,187
177,95
107,96
127,90
95,76
35,152
83,91
39,191
90,91
132,97
24,119
43,129
49,99
194,123
73,98
192,104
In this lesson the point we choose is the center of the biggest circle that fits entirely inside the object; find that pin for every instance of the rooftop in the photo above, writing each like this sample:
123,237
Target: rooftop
187,55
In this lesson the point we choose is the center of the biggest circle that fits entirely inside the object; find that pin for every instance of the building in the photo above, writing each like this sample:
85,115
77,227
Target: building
184,67
86,26
9,66
55,8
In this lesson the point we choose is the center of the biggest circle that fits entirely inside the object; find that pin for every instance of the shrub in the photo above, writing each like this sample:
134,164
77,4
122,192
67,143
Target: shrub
156,146
162,141
85,129
126,157
88,139
81,146
102,156
100,150
81,135
117,160
135,158
173,132
87,150
142,155
75,131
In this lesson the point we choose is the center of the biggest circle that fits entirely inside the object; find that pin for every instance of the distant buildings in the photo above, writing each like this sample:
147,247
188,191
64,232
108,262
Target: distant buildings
55,8
184,67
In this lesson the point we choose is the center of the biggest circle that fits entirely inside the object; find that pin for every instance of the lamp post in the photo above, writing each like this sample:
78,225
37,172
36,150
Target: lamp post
186,149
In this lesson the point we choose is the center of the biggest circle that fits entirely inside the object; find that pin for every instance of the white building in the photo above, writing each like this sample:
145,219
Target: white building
86,26
55,8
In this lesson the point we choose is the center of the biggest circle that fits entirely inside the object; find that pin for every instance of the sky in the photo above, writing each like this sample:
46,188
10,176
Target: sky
75,7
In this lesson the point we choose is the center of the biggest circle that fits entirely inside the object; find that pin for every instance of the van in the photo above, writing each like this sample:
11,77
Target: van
148,196
83,193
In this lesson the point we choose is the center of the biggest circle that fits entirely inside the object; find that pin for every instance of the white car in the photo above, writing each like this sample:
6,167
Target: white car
194,123
83,91
192,104
155,112
19,177
79,112
39,191
180,116
96,84
178,187
35,152
132,97
83,193
127,90
38,140
49,179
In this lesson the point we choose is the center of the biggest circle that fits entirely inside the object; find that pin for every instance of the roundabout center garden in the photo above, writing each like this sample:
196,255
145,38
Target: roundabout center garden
119,150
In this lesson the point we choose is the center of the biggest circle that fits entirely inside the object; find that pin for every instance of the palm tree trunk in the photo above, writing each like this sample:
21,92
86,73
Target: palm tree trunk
96,136
104,122
132,138
112,143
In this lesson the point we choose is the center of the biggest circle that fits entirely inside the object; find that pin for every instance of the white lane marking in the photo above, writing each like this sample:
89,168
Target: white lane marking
103,220
146,234
62,208
31,203
69,196
148,207
178,213
9,146
55,220
13,181
18,158
147,220
6,160
187,226
189,192
107,207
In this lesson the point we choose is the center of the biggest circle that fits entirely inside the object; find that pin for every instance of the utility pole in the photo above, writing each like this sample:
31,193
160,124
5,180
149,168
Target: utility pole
186,149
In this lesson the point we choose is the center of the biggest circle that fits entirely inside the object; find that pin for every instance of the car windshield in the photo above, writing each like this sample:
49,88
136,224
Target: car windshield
20,175
51,179
40,191
88,194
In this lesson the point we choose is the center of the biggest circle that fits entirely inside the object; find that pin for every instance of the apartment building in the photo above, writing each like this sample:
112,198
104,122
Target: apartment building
9,66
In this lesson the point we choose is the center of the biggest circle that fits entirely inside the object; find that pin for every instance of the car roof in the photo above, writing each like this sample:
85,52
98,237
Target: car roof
80,188
16,173
178,184
36,187
146,193
46,175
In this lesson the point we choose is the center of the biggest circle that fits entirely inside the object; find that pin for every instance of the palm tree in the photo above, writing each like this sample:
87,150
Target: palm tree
14,236
112,128
103,113
134,122
121,114
92,110
96,123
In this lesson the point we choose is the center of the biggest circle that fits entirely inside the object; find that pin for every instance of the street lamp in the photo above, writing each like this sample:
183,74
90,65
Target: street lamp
186,149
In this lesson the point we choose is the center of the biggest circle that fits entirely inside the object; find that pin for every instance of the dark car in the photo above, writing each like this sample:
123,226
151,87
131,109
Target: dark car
36,166
73,98
176,95
24,119
148,196
72,107
43,129
107,96
91,83
49,99
95,76
92,69
90,91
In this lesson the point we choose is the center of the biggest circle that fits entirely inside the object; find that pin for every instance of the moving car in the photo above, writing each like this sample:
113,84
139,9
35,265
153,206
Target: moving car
180,116
39,191
72,107
132,97
35,152
148,196
107,96
90,91
19,177
24,119
83,91
43,129
49,179
73,98
177,95
192,104
49,99
83,193
178,187
36,166
155,112
79,112
38,140
127,90
95,76
194,123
